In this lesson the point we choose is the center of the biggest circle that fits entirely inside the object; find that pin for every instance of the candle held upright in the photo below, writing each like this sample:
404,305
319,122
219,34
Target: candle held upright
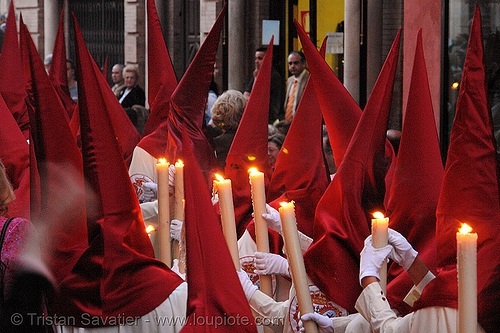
296,261
467,279
380,234
163,212
261,235
223,188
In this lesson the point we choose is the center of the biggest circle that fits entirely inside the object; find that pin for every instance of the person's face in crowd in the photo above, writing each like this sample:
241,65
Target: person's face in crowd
272,153
116,74
295,64
259,57
130,79
70,72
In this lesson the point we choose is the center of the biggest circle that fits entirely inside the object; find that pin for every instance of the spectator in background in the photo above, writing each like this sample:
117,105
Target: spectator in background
283,126
274,144
226,115
117,78
213,93
132,94
296,83
47,61
72,84
133,98
327,149
277,97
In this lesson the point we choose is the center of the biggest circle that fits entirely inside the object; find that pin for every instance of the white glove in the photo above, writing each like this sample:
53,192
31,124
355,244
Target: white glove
403,253
272,216
269,263
175,229
372,259
325,324
248,287
150,191
175,268
171,175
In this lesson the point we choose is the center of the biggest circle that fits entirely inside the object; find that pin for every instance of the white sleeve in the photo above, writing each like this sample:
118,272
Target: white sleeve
269,312
374,307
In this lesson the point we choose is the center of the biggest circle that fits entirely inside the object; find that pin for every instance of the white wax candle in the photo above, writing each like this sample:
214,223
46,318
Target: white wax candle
380,225
467,280
223,188
261,235
163,213
179,191
296,261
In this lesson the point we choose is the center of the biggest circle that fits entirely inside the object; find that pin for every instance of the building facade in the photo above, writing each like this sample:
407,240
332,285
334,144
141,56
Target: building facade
116,30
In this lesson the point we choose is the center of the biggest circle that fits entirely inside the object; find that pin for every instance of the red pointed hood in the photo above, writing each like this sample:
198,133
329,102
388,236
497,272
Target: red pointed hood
340,112
59,159
341,223
470,192
14,154
417,181
249,147
11,75
133,282
214,288
300,173
57,71
188,102
161,75
98,91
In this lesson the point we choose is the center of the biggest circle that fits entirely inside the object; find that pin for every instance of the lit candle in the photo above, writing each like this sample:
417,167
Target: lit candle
163,212
261,235
296,261
380,234
223,188
179,190
178,203
467,279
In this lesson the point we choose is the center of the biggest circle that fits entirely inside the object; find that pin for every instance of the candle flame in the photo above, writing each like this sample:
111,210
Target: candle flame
150,229
162,161
252,158
378,215
253,171
465,229
219,177
179,163
284,203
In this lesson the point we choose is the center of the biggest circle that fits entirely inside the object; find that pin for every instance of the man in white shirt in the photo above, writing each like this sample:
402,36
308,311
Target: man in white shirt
296,83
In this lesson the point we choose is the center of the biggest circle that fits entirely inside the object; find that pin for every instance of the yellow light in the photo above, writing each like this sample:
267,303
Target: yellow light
253,171
179,163
150,229
455,85
252,158
162,161
465,229
219,177
378,215
284,203
285,150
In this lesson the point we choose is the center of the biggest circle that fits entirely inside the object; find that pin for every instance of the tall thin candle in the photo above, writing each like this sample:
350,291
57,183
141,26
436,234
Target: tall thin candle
380,234
467,279
163,212
296,261
223,188
261,235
